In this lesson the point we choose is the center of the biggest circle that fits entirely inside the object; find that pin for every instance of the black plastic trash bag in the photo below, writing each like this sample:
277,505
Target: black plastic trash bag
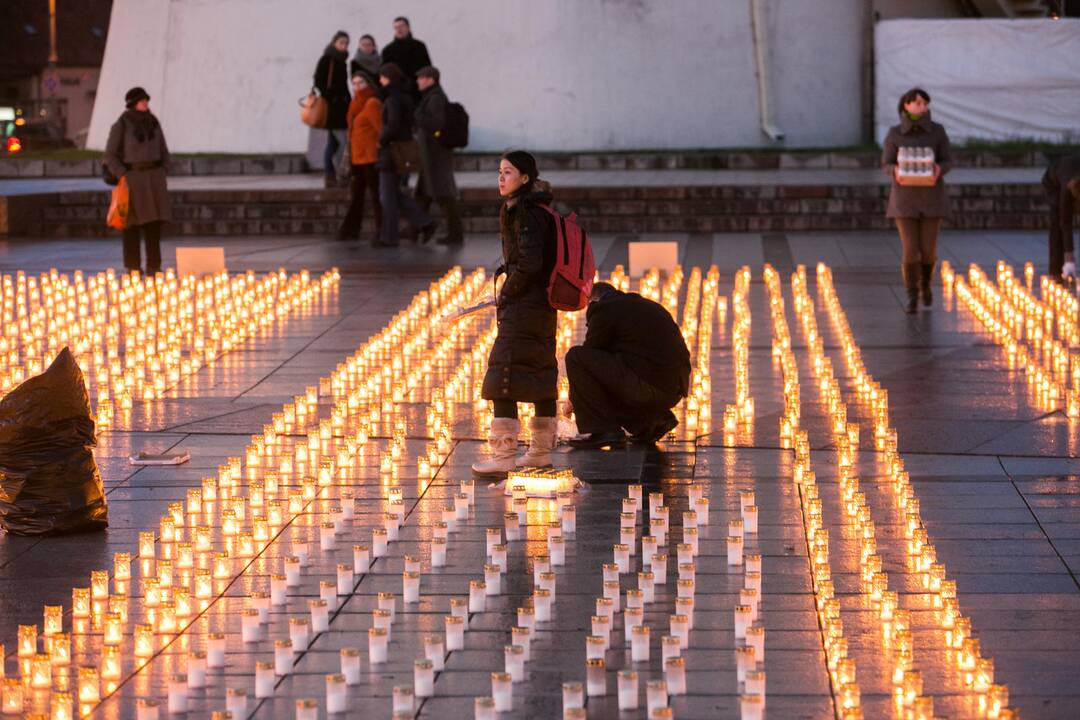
49,481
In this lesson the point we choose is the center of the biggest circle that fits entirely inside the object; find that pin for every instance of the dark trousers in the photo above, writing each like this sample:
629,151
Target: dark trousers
508,408
335,141
1060,242
365,181
132,256
396,201
918,238
607,395
455,232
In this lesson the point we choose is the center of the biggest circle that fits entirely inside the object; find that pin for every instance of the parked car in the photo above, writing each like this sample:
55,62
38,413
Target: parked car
16,137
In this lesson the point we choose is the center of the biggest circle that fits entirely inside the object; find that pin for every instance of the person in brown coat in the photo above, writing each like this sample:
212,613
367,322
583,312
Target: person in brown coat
1062,184
365,124
136,150
917,210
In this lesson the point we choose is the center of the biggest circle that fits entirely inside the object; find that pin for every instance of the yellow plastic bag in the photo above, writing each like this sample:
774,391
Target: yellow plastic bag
118,207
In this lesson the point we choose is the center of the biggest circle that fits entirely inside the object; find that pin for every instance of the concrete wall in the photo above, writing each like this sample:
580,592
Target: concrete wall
225,75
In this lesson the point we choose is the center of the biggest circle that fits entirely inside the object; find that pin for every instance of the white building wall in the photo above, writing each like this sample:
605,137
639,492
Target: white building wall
225,75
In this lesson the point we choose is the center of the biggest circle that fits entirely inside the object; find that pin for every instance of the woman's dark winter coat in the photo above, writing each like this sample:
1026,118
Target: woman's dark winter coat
408,54
136,149
436,161
522,364
397,122
907,201
332,81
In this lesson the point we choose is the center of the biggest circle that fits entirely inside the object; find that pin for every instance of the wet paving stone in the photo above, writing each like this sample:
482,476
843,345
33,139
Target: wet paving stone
998,481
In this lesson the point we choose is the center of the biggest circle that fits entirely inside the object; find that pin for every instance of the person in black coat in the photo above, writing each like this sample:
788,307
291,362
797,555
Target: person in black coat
631,370
407,53
522,365
332,81
397,127
436,181
1062,184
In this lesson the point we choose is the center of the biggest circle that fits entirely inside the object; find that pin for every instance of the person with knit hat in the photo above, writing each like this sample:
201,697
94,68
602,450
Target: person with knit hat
436,182
136,150
522,366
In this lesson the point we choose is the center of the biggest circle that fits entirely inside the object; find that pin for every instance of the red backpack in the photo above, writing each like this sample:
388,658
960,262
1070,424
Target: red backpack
572,277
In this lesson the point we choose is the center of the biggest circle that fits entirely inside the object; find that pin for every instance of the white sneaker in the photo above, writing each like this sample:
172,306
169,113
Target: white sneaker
503,442
541,443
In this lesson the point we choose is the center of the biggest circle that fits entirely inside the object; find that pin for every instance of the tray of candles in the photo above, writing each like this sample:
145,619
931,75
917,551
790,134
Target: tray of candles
915,166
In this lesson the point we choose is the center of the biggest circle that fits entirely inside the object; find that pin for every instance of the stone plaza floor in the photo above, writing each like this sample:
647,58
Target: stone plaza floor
996,473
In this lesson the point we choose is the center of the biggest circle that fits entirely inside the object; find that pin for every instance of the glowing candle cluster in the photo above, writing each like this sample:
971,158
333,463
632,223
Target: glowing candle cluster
293,476
135,337
1038,334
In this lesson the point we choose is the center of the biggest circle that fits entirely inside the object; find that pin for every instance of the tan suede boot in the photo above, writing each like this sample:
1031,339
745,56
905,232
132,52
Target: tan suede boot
541,444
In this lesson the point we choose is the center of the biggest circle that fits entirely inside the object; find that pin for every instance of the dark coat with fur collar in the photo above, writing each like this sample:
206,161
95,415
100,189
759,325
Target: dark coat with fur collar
522,364
332,81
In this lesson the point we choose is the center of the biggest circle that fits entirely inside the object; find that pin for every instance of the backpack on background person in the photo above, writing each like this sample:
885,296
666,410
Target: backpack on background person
455,134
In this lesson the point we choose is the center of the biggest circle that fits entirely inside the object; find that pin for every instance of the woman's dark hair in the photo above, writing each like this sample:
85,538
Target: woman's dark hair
910,96
338,35
402,18
525,164
368,37
392,72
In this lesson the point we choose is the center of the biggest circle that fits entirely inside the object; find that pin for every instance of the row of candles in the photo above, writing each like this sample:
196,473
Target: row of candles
895,623
739,417
974,672
1038,335
841,667
134,336
184,581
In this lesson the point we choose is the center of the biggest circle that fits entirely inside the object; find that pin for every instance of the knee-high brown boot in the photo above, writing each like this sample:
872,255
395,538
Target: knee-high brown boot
926,280
910,272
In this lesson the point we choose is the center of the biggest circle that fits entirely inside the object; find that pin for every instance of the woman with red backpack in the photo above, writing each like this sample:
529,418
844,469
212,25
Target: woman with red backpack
522,365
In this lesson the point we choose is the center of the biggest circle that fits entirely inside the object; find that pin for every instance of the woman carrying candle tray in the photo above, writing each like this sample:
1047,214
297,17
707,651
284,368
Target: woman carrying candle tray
916,156
522,365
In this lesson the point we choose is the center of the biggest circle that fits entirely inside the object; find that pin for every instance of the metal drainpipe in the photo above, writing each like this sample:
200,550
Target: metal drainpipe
757,23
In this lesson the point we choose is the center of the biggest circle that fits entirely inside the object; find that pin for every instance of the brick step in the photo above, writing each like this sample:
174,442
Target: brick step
601,209
734,159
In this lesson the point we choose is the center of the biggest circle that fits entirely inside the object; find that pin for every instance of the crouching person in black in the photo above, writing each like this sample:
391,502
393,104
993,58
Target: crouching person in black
632,369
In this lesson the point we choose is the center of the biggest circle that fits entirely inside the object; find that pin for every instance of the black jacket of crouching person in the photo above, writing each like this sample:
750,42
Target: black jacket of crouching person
631,370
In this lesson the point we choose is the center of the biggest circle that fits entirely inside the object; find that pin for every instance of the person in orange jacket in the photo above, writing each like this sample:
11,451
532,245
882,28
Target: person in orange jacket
365,123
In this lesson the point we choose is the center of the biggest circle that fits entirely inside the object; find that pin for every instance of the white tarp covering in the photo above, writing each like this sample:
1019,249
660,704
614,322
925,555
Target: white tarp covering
988,79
